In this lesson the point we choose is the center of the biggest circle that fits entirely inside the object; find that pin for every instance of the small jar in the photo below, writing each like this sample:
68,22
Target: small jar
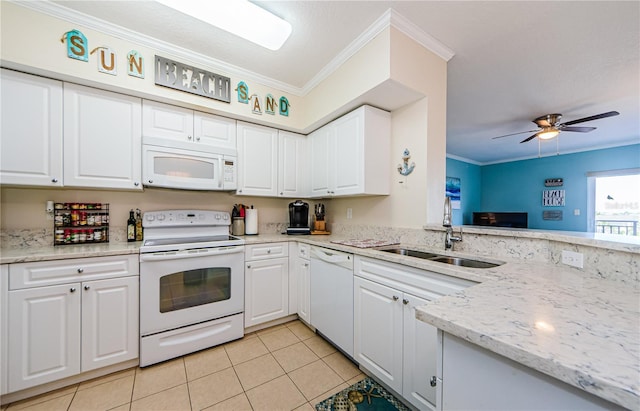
90,235
83,218
75,236
59,206
67,236
66,218
97,235
91,219
59,236
58,220
75,218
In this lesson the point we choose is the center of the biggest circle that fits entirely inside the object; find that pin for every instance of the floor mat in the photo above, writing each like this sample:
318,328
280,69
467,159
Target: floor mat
364,395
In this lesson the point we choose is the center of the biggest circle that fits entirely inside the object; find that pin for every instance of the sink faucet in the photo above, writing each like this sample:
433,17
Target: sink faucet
449,238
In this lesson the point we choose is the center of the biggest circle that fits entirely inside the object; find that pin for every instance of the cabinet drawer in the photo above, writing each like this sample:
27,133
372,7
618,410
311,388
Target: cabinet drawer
304,250
262,251
42,273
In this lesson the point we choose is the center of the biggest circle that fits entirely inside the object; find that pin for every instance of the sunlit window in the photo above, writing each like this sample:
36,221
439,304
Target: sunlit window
617,204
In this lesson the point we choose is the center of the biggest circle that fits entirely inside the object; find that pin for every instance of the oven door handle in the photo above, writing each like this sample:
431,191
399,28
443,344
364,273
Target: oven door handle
203,252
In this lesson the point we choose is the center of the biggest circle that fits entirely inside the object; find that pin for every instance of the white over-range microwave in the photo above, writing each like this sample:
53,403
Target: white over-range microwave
188,170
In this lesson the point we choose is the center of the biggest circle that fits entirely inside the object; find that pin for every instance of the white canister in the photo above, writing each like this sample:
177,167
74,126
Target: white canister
251,221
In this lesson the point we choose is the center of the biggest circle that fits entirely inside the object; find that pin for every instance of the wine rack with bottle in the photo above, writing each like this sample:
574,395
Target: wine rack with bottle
80,223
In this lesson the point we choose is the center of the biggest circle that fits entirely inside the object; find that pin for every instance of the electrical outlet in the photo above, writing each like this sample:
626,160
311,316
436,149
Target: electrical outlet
572,258
349,213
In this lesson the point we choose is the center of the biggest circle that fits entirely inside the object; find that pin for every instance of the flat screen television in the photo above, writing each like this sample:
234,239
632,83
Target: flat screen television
500,219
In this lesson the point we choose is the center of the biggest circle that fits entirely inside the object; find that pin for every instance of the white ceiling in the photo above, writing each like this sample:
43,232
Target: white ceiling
514,60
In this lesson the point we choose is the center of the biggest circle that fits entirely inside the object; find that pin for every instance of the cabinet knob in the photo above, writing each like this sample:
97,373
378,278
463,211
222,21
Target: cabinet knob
433,381
72,289
395,298
150,181
269,251
86,287
248,266
198,138
80,270
405,301
54,180
306,264
136,184
188,137
281,193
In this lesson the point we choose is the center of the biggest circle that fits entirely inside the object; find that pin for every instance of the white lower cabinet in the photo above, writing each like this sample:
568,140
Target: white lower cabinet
389,342
57,331
303,285
266,276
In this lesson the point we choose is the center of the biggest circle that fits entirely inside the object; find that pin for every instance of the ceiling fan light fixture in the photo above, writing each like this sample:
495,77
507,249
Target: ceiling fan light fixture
548,133
239,17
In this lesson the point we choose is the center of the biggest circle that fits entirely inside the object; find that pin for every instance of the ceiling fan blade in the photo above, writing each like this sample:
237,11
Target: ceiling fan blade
596,117
529,138
513,134
578,129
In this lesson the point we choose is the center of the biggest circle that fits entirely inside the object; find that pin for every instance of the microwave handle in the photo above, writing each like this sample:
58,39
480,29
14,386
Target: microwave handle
162,256
220,171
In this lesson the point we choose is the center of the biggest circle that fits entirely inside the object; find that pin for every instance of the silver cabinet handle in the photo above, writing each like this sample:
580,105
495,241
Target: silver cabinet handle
198,138
54,180
269,251
72,289
80,270
86,287
405,301
395,298
188,137
433,381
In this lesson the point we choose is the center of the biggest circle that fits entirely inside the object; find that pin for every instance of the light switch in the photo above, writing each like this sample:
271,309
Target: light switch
576,211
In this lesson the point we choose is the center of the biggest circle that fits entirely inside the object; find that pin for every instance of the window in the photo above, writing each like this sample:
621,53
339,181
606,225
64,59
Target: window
614,202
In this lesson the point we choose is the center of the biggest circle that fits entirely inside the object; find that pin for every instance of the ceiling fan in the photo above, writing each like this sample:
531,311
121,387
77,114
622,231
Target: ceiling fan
550,126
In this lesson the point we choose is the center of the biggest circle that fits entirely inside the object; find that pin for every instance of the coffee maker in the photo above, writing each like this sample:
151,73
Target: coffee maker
298,218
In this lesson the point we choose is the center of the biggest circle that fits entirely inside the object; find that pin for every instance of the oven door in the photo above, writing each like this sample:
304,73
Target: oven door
180,288
184,169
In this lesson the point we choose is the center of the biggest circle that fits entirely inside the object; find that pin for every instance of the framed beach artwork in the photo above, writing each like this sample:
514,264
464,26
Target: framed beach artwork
453,192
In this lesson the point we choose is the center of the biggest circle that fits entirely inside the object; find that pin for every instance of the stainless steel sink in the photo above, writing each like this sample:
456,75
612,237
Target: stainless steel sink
412,253
464,262
439,258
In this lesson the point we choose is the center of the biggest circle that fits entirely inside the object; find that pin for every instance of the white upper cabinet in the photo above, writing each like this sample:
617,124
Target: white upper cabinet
31,130
293,167
350,156
257,160
102,139
164,124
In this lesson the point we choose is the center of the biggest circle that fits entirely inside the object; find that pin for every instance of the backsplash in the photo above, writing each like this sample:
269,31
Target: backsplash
599,262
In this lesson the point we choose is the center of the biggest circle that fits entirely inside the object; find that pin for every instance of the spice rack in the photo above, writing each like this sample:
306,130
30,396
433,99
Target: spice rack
80,223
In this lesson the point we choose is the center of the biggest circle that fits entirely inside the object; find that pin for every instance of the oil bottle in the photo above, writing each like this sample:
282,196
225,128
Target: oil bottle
131,227
139,233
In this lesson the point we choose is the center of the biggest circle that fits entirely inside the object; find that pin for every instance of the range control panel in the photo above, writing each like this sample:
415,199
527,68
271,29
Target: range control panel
183,218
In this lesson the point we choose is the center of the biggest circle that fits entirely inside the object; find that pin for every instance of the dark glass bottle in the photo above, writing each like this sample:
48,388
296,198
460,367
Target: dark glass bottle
131,227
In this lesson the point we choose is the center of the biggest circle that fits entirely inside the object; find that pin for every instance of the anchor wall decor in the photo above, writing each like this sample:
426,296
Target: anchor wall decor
405,169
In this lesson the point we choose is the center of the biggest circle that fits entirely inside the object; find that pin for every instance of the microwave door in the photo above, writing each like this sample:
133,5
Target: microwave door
181,169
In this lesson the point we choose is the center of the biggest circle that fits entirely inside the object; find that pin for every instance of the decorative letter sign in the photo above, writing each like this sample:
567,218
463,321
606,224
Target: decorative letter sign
256,104
270,105
106,61
284,106
77,45
135,64
189,79
553,198
243,93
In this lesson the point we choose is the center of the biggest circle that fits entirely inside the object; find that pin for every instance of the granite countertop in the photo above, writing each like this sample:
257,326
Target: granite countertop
581,330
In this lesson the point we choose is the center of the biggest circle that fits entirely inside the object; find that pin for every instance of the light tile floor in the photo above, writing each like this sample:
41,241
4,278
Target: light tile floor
286,367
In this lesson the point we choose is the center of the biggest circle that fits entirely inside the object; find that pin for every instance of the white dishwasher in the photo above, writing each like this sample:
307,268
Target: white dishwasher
332,296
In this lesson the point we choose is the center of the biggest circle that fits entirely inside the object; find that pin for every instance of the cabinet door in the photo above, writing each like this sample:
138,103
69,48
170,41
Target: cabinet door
321,144
266,290
349,154
44,335
378,331
214,131
31,130
304,305
110,330
419,356
257,160
164,121
293,165
102,139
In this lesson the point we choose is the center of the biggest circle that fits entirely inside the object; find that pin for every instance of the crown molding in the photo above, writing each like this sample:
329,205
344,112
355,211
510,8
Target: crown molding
93,23
388,18
418,35
463,159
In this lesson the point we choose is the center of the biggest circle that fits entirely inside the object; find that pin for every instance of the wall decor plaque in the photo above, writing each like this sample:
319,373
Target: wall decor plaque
553,198
179,76
555,215
553,182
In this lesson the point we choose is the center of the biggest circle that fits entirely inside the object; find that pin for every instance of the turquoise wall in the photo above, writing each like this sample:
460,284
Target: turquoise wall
470,190
518,185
